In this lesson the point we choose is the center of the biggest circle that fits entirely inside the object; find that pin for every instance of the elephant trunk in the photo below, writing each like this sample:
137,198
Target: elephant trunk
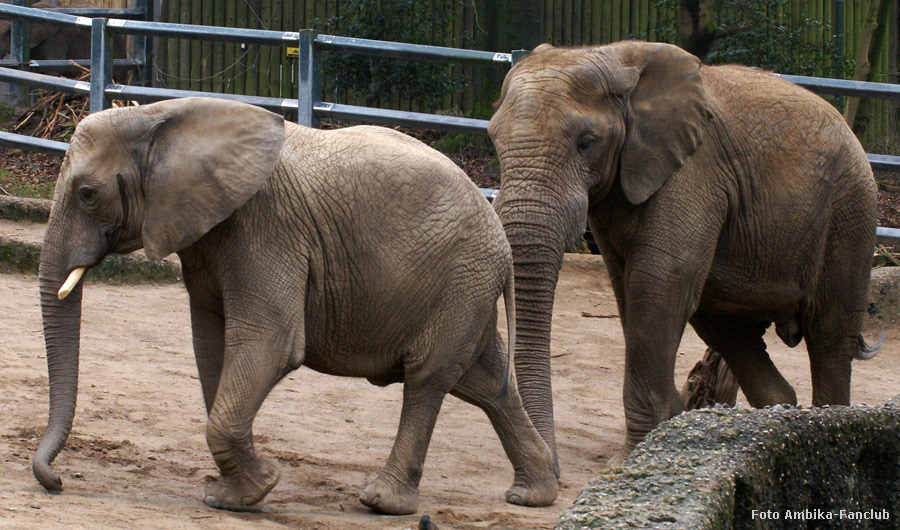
62,327
537,234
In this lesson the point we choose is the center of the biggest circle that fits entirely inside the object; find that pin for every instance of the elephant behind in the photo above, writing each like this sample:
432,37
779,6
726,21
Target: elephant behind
357,252
720,196
59,42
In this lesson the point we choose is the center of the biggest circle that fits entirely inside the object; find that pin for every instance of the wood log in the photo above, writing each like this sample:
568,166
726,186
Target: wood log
710,382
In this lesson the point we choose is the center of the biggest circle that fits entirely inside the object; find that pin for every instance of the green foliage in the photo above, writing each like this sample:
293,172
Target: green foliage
473,145
886,145
30,190
755,33
374,81
6,113
783,46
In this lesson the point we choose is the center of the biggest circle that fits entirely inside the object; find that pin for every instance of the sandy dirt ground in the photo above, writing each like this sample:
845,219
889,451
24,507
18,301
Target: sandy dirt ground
137,457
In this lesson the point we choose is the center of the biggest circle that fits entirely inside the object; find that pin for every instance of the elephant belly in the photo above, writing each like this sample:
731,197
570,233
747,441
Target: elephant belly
773,299
354,355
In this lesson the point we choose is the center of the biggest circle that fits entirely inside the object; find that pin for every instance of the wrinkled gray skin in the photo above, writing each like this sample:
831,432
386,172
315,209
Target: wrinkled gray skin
56,42
356,252
720,196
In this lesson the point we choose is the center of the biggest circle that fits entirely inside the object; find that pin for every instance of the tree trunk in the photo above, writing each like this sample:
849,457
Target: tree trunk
696,26
863,47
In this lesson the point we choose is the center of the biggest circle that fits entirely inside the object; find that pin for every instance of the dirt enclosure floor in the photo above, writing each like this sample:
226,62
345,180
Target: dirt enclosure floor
137,457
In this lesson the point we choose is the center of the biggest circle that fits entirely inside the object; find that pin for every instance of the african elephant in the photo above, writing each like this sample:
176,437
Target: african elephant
720,196
59,42
356,252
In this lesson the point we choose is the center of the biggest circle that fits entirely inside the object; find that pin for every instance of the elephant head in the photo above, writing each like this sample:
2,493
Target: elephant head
156,176
572,127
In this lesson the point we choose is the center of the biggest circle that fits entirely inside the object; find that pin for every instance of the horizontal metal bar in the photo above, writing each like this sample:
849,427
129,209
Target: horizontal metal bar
144,94
30,143
99,12
67,64
884,162
39,15
196,32
489,193
47,82
398,117
402,50
844,87
887,235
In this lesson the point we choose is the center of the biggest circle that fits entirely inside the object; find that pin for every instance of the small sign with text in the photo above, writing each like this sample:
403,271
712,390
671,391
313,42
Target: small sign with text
818,514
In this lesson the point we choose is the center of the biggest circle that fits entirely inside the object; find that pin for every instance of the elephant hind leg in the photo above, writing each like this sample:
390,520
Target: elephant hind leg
485,385
831,349
396,489
740,342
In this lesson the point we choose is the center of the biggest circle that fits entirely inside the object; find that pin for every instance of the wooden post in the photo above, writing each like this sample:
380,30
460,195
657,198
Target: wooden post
710,382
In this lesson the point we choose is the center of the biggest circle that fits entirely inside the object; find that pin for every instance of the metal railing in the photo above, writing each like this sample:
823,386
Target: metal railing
22,16
308,105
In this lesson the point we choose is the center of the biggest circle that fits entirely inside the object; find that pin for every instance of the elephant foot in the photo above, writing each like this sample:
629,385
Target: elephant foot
241,490
541,492
387,496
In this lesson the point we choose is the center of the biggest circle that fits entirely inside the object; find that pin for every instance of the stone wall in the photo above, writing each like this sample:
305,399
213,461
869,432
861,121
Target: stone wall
711,468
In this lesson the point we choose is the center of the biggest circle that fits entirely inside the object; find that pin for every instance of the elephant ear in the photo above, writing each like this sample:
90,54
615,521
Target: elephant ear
667,110
206,157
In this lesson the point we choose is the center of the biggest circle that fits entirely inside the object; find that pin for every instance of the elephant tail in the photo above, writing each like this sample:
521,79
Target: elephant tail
864,352
509,300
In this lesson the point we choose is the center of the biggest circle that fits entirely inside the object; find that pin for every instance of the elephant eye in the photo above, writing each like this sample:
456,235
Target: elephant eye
88,195
585,142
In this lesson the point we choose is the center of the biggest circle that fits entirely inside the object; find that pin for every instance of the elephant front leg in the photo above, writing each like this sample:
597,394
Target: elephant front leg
654,324
208,330
396,489
253,365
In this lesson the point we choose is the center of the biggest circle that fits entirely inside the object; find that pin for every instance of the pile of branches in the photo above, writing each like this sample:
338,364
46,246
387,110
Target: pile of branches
886,257
55,115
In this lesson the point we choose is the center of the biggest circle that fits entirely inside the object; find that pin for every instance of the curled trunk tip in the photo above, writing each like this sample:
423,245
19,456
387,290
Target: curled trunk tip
40,466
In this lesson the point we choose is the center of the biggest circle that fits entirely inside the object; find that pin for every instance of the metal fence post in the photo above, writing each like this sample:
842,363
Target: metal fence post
101,64
517,56
309,78
141,47
20,51
20,36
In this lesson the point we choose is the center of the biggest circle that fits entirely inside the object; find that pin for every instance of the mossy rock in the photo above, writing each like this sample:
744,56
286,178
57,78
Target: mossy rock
17,256
721,468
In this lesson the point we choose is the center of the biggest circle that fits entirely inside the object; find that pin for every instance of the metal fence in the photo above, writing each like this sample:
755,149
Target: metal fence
308,106
22,16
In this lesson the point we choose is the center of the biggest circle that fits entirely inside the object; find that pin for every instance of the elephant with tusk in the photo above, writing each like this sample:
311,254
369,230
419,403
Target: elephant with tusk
355,252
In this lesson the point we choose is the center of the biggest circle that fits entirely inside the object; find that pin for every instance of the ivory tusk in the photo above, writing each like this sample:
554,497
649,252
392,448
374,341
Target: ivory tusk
71,282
